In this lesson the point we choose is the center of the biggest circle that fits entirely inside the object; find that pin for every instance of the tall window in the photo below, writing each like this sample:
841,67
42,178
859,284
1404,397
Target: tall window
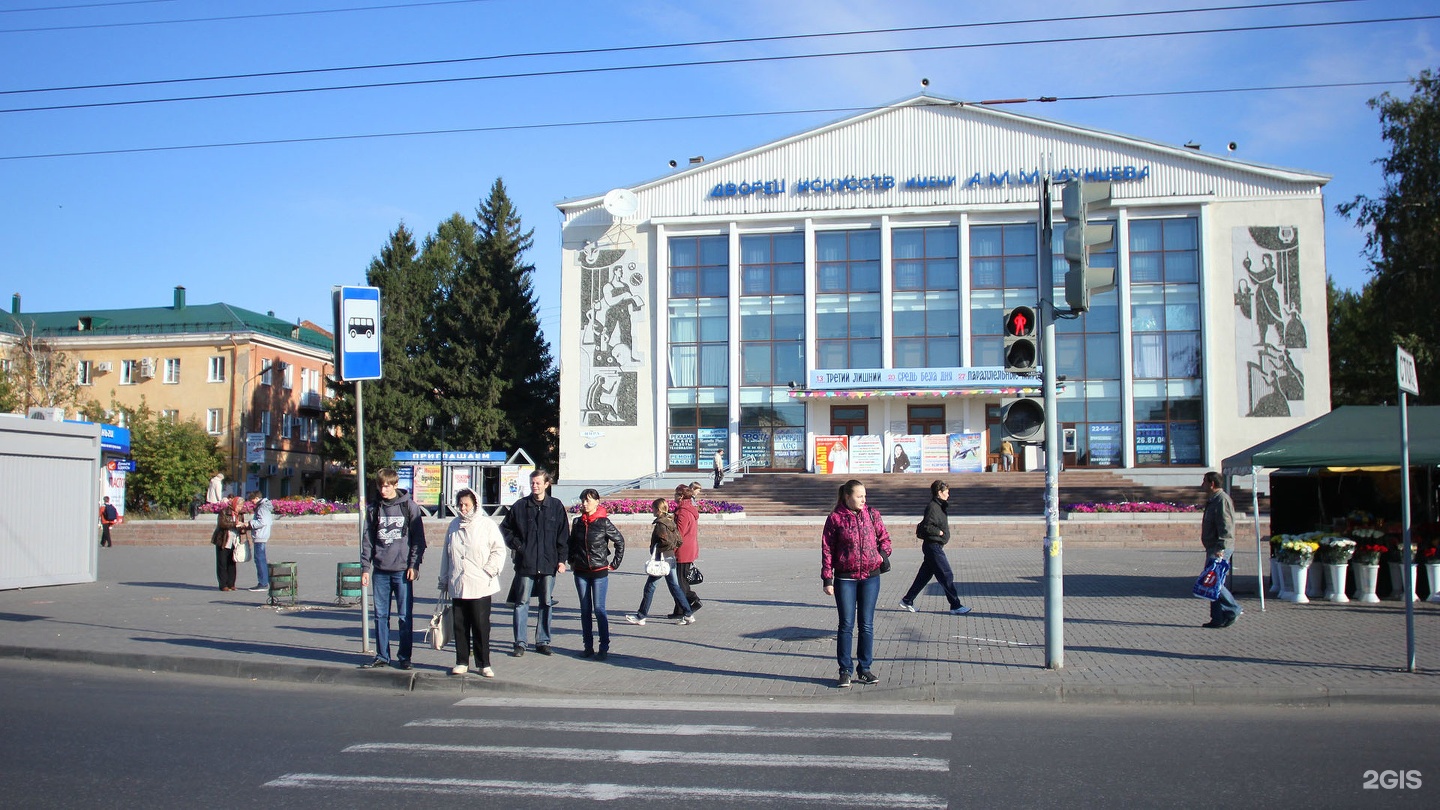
1002,275
699,332
287,374
925,266
267,368
129,372
264,417
847,299
217,369
772,349
1087,352
170,415
83,371
1165,324
287,429
172,370
215,421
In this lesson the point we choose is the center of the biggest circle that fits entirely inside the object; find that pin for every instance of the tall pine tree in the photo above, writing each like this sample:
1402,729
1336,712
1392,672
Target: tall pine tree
531,401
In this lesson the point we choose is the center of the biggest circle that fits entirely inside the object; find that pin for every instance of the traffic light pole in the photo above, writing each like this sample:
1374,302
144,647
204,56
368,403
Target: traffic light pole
1053,549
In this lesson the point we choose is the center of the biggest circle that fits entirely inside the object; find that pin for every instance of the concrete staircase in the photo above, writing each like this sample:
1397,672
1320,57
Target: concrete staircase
1020,494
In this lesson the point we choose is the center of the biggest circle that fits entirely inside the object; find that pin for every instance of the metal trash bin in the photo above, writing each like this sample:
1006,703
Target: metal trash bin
347,583
284,582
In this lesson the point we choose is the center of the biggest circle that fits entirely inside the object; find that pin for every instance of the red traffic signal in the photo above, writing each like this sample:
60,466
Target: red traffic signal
1020,322
1021,349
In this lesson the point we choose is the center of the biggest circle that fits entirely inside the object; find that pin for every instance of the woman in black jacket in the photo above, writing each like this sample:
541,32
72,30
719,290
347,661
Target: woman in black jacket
596,548
934,533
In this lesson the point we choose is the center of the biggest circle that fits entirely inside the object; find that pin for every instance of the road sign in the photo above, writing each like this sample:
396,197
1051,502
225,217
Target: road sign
357,333
1405,371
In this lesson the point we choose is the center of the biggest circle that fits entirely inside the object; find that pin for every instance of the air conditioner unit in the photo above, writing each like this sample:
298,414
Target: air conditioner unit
103,366
47,414
147,367
271,469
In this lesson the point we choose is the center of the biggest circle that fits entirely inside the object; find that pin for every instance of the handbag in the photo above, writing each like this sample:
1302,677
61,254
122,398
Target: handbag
1212,579
241,552
694,577
657,567
437,635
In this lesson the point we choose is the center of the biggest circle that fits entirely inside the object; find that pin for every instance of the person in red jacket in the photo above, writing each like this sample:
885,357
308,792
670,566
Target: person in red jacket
854,550
687,522
109,516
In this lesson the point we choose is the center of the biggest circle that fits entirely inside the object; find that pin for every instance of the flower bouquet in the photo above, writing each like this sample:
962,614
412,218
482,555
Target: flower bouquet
1297,549
1275,540
1368,553
1335,550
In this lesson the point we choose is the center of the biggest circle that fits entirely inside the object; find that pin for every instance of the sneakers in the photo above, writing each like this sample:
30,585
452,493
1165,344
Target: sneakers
259,589
378,663
635,618
907,606
844,680
518,651
487,672
866,677
543,649
687,619
602,655
959,611
459,669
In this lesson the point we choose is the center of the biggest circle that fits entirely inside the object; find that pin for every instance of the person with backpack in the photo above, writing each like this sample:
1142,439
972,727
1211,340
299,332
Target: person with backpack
934,532
108,517
664,540
394,545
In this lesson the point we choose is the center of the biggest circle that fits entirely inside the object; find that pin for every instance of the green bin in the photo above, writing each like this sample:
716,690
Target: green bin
347,583
284,583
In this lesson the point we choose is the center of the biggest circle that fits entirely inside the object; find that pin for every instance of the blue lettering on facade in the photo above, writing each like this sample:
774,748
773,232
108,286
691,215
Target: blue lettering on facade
851,184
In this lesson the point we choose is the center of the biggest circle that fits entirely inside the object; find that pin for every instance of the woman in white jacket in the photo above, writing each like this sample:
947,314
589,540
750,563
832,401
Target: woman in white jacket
470,572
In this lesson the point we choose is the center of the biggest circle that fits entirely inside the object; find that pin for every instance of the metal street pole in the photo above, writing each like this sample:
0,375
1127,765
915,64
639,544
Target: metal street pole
360,488
1408,563
1054,559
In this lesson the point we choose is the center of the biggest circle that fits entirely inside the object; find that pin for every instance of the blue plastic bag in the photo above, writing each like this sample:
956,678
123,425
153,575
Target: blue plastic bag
1212,579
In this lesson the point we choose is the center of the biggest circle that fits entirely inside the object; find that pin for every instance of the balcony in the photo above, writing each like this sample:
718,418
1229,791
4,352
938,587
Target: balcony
312,401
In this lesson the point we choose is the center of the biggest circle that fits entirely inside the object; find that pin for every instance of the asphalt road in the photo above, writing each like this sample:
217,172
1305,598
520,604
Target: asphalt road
85,736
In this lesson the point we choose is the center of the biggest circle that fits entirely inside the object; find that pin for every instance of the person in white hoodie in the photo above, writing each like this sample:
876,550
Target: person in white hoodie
470,573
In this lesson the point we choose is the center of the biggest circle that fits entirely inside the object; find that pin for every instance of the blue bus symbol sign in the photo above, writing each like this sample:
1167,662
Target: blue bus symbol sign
357,333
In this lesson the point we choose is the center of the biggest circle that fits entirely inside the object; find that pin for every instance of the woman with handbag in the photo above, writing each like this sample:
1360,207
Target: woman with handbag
470,574
596,548
687,522
227,538
854,551
664,539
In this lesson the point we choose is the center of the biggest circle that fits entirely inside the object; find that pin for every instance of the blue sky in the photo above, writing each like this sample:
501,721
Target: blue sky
274,226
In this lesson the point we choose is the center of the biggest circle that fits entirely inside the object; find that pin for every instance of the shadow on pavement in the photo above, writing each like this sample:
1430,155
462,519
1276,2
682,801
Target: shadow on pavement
284,651
185,586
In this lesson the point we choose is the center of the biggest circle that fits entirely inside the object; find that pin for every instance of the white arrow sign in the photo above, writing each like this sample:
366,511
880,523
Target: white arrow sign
1405,371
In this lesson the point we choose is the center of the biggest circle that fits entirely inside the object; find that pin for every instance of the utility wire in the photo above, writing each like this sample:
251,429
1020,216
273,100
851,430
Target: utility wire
670,119
83,5
233,17
671,45
711,63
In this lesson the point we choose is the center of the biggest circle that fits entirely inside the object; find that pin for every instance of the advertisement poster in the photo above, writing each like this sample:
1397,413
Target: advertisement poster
935,453
407,478
515,482
114,486
427,485
755,447
255,448
905,455
867,454
790,447
710,440
682,449
966,454
460,479
1149,442
1104,444
832,455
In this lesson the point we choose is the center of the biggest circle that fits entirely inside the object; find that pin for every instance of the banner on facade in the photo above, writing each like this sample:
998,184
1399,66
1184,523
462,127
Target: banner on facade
935,453
427,485
904,454
515,482
832,455
966,452
867,454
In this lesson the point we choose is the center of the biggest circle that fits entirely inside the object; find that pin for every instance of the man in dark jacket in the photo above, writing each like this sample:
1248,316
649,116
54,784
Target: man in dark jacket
537,531
389,560
934,532
1217,534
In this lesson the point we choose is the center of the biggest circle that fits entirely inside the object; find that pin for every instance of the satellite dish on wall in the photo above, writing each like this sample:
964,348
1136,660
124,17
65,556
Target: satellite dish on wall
622,203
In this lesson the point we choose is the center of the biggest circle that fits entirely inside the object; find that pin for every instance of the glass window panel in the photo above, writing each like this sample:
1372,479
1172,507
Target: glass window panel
789,327
908,302
1182,267
1149,355
830,277
755,249
1145,268
754,327
1020,272
1103,409
754,280
865,277
789,279
714,365
789,363
909,275
907,243
1145,234
942,243
1104,314
865,246
1070,351
789,247
1184,354
683,368
832,325
985,312
684,416
711,396
1149,410
943,274
986,273
1180,234
831,354
715,281
830,247
987,352
1185,409
681,396
865,324
943,320
985,240
682,252
1019,239
715,417
755,365
865,354
944,352
1070,410
909,353
715,250
1102,356
682,282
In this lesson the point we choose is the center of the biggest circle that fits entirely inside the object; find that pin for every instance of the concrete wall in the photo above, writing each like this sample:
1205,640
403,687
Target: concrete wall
49,524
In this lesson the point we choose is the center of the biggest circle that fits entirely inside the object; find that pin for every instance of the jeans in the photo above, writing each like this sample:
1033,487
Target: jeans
262,568
521,619
383,584
852,597
672,580
1224,608
592,603
935,565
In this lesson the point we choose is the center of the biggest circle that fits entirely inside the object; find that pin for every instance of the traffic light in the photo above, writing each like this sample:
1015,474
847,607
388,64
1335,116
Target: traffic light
1021,348
1022,419
1080,236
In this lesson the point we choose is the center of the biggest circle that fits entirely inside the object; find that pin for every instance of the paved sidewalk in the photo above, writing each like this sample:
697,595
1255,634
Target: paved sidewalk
1132,633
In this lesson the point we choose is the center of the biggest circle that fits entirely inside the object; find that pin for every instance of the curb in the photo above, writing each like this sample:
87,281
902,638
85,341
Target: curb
939,693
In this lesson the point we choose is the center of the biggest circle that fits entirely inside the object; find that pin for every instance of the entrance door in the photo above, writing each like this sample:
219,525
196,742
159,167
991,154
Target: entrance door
923,419
849,420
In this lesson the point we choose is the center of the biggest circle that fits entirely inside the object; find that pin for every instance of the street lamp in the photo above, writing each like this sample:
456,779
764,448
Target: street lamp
244,418
431,422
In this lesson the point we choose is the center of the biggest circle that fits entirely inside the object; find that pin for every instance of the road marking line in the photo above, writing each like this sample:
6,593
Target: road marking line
636,756
676,730
734,706
998,641
606,792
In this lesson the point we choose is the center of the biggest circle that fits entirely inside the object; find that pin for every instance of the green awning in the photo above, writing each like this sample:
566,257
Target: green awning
1352,436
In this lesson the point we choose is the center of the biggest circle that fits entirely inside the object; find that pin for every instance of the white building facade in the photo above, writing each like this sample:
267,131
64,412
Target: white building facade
852,281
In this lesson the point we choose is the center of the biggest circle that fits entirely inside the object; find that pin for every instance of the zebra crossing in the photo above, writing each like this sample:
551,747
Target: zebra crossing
549,753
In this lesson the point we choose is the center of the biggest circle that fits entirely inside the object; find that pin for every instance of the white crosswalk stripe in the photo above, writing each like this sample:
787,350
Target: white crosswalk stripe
858,759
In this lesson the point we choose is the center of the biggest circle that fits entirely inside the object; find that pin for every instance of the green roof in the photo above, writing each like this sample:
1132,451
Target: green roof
1352,436
193,318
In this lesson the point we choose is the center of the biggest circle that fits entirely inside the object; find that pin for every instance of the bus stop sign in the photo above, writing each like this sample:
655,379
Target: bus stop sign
357,333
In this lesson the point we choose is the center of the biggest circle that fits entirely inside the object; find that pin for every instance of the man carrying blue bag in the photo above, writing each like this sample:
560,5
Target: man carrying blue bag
1217,534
